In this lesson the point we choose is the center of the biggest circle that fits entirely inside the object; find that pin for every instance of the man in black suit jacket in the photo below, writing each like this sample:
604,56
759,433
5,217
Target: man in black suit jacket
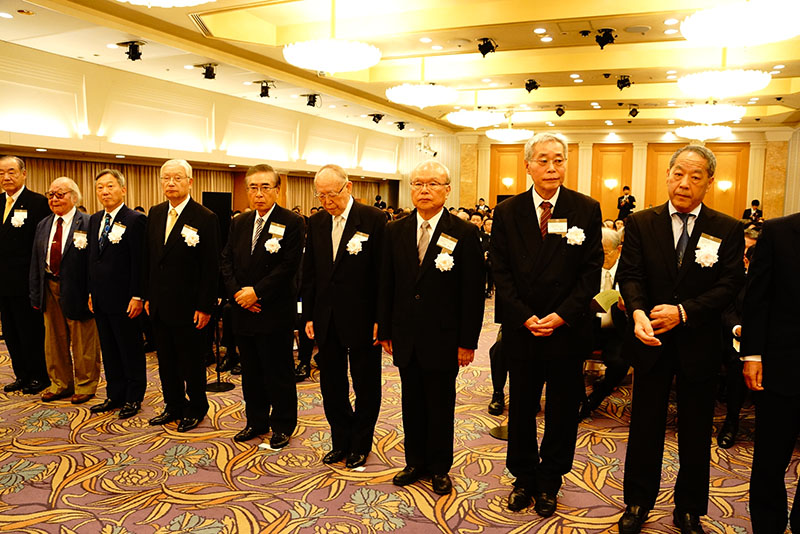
772,369
259,265
681,266
430,314
625,203
59,288
753,212
23,328
340,294
546,256
116,239
180,272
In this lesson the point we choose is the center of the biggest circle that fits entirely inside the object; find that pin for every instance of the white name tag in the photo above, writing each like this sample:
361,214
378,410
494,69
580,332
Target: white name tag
447,243
21,214
277,229
557,226
299,306
119,226
188,230
709,242
361,236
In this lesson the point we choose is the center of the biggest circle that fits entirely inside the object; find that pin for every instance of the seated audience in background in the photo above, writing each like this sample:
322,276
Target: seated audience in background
753,213
380,204
619,225
481,206
608,223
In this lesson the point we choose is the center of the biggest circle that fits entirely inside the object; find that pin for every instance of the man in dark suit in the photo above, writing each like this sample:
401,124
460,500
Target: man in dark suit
681,266
116,237
340,292
772,369
59,288
430,314
180,273
546,256
23,328
625,203
259,265
753,213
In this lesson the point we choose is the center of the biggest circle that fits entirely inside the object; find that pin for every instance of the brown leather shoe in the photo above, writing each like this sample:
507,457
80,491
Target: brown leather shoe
80,398
49,396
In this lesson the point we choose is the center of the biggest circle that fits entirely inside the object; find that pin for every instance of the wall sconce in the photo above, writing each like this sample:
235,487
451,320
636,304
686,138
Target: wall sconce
611,183
508,182
724,185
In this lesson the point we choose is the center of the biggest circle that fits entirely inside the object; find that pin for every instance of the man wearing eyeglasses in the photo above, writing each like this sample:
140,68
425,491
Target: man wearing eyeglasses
546,257
59,283
430,314
259,266
340,286
23,328
179,286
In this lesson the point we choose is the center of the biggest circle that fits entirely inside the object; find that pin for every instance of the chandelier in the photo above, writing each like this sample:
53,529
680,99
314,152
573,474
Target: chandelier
712,113
421,95
510,134
332,55
748,23
723,83
474,119
166,3
703,132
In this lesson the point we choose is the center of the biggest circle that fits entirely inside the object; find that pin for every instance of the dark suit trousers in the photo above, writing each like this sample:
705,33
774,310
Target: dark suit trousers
123,356
777,429
735,388
617,365
648,428
181,367
268,383
351,430
541,468
498,366
429,405
23,332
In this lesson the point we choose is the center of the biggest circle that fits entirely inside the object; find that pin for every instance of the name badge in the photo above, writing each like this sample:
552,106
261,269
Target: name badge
188,230
21,214
119,225
709,242
447,243
276,229
361,236
557,226
299,306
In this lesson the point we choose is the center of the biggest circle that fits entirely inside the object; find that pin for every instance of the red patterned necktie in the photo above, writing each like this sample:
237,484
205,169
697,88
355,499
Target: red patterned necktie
545,217
55,248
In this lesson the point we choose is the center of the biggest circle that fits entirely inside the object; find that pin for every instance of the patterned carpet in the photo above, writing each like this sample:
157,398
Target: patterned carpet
65,470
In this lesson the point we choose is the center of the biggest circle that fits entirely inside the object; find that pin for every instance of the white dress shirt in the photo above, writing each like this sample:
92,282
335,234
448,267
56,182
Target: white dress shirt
433,221
179,208
255,222
677,223
65,226
113,214
537,201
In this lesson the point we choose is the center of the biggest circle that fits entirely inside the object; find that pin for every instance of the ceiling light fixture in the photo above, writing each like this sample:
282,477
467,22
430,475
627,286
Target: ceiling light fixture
605,36
634,111
209,70
134,51
539,31
474,119
376,117
486,45
711,113
671,22
312,100
743,23
702,132
560,111
509,134
425,40
546,39
531,85
421,95
400,125
265,86
437,47
166,3
624,81
723,83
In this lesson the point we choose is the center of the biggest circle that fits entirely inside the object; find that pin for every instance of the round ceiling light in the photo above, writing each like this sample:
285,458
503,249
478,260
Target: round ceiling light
711,113
331,55
750,23
723,83
166,3
421,95
474,119
703,132
509,135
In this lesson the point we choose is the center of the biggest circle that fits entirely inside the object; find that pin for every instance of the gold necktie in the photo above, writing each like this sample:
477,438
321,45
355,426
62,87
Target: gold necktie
336,234
173,216
9,204
424,240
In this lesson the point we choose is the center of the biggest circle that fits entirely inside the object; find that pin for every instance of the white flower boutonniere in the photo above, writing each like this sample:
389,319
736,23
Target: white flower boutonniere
354,246
272,245
706,256
575,236
444,261
18,218
190,235
115,235
79,240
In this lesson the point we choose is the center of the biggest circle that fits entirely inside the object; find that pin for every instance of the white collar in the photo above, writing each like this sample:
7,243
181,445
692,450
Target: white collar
537,199
673,211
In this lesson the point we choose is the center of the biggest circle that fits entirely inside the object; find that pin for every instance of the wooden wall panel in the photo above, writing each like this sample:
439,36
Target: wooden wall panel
611,161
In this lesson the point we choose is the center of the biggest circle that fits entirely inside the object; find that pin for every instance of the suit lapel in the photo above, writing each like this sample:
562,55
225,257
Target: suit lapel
528,224
444,225
563,210
700,226
259,250
409,241
662,228
70,235
175,234
350,228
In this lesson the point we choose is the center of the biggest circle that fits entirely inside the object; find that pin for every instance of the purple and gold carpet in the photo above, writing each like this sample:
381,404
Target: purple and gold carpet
65,470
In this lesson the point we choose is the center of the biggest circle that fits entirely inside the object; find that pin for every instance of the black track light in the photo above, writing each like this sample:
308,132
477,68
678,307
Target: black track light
604,37
209,70
531,85
376,117
400,125
312,100
634,111
265,87
134,51
624,81
560,111
486,45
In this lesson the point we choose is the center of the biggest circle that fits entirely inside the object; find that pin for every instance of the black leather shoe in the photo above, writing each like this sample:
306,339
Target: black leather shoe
592,402
355,459
519,499
632,519
188,423
301,372
129,409
336,455
225,364
16,385
407,476
34,386
689,523
545,504
237,369
498,403
727,435
442,485
164,418
105,406
278,440
248,433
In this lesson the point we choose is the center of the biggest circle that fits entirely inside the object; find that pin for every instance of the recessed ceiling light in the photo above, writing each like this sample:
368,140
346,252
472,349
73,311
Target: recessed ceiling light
110,46
26,12
774,72
550,123
779,67
456,107
737,121
120,156
294,96
188,67
610,123
754,98
486,80
672,72
670,101
594,104
41,150
4,15
363,116
546,39
332,106
540,31
437,47
493,84
672,77
425,40
574,75
231,165
577,80
247,83
671,22
671,121
670,31
412,130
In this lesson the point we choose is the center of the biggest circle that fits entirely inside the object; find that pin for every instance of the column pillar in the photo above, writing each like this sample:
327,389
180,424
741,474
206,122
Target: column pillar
585,167
468,177
755,171
639,174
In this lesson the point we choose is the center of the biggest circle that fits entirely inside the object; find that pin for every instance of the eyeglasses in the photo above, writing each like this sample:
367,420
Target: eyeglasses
57,194
263,188
557,162
175,179
433,186
323,196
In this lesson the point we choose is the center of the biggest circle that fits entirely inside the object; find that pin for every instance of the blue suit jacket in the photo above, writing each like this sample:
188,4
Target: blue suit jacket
73,270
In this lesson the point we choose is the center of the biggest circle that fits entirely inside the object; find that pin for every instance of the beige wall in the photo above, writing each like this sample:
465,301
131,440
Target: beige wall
775,167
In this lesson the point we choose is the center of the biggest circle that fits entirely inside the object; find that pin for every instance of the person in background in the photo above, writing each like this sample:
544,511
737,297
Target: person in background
619,225
608,223
481,206
626,203
753,213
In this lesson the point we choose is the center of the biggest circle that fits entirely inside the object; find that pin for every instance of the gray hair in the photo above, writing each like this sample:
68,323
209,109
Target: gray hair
113,172
72,186
752,233
612,237
178,163
711,159
335,169
544,137
20,162
432,163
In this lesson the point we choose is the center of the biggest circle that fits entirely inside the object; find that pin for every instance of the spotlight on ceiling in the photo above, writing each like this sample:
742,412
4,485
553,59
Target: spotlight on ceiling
486,45
624,81
209,70
400,125
605,36
531,85
312,100
634,111
376,117
265,87
134,51
560,111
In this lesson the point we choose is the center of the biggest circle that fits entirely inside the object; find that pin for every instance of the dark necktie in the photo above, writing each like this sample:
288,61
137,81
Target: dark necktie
545,217
55,248
259,227
683,240
106,229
